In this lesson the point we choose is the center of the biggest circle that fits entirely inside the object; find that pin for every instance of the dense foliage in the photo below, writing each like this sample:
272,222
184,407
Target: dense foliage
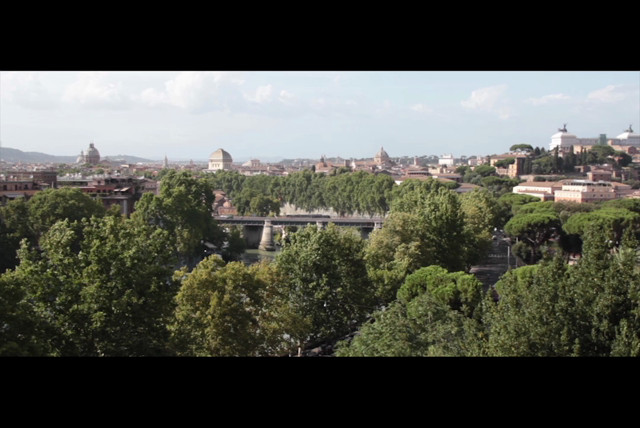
549,309
83,281
347,193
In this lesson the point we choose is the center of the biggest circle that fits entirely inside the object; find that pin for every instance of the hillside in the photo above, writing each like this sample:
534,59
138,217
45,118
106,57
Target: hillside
14,155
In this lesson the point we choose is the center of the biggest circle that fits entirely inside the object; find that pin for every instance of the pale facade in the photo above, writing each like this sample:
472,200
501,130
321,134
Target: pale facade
541,189
382,159
564,140
581,191
220,160
447,160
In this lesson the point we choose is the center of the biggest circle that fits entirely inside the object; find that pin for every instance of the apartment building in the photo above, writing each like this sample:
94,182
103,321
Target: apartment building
585,191
544,190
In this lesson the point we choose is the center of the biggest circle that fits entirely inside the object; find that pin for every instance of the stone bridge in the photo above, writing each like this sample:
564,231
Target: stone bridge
262,227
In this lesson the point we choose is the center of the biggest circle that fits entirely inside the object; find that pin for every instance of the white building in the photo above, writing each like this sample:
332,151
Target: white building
627,138
220,160
565,140
446,159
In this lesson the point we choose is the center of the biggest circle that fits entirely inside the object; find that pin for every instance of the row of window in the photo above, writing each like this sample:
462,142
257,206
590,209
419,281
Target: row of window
10,187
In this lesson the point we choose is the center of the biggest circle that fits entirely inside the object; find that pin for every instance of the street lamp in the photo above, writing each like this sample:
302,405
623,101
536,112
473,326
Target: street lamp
507,240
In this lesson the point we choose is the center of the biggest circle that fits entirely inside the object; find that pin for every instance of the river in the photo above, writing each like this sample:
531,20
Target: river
252,256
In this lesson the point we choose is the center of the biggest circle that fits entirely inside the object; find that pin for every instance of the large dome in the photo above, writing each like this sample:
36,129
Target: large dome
220,159
381,157
92,150
92,156
221,155
382,153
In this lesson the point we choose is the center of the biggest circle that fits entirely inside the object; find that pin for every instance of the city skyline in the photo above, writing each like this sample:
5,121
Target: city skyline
307,114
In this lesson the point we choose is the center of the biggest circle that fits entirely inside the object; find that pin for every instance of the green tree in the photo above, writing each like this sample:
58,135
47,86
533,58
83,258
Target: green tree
613,220
15,226
325,281
484,170
499,185
481,216
552,309
217,310
184,208
430,318
600,155
23,333
426,226
51,205
393,252
507,205
622,158
533,316
101,286
521,147
442,221
261,205
504,163
534,229
459,290
569,161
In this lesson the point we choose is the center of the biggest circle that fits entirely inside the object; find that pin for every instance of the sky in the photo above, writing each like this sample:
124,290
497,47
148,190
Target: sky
271,115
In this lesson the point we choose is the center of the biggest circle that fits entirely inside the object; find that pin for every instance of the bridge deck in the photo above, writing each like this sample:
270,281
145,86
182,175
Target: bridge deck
299,221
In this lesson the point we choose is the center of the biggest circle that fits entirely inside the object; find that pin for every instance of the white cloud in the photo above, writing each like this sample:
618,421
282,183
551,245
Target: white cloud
26,90
608,94
153,97
547,99
490,99
262,94
421,108
92,90
286,97
197,92
190,90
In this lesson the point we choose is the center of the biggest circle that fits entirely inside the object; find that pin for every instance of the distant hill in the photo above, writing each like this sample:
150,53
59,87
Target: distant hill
128,159
14,155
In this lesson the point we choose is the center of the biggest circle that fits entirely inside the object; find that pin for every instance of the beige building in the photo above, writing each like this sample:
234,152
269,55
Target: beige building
585,191
220,160
542,189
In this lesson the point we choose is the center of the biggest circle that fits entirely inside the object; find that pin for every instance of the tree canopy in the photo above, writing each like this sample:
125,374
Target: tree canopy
98,287
325,280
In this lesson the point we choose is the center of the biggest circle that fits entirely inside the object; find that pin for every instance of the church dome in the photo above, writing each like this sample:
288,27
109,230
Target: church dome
92,155
220,159
92,150
382,154
221,155
381,157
